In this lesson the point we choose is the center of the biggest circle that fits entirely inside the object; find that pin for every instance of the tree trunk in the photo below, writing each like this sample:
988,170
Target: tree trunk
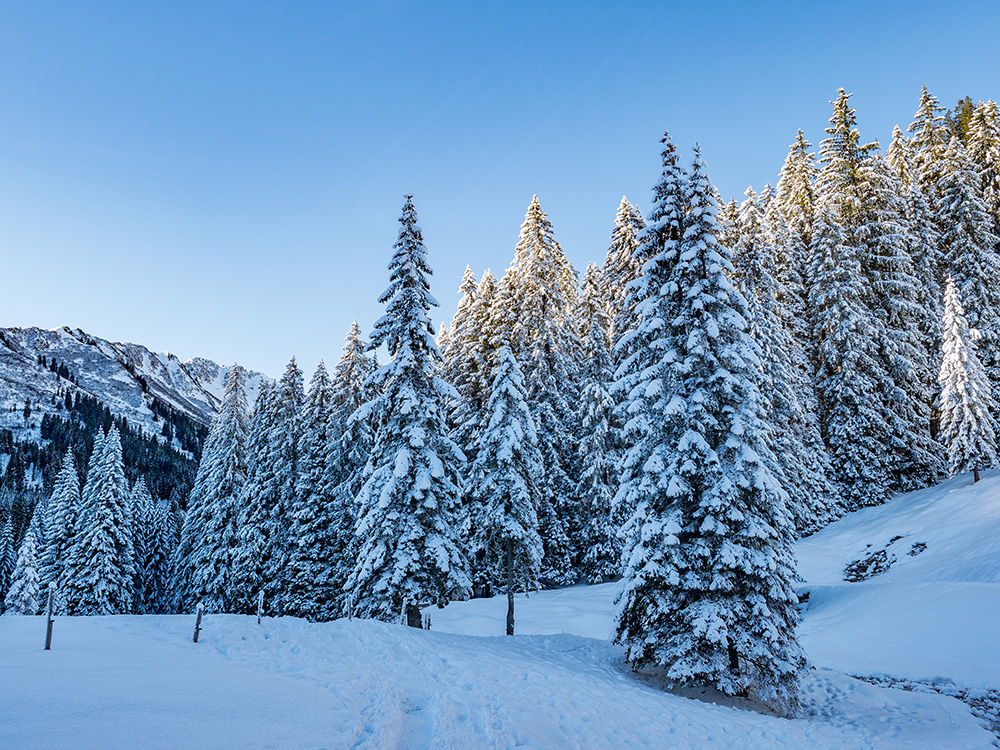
413,618
975,475
734,663
510,588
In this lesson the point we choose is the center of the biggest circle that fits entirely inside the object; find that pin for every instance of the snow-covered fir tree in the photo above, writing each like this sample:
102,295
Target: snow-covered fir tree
890,273
352,386
707,591
508,462
640,375
790,216
100,567
7,550
203,567
161,541
313,590
621,267
968,410
600,550
61,523
259,558
23,596
536,310
792,424
970,251
409,552
984,151
257,508
849,337
929,140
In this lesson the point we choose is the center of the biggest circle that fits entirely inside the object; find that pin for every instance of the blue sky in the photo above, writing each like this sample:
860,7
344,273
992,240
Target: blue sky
223,179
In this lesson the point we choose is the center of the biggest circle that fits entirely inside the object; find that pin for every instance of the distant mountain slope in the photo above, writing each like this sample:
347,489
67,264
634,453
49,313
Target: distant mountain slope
126,377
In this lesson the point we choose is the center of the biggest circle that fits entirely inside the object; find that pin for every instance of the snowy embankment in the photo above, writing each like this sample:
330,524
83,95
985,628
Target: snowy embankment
141,682
933,615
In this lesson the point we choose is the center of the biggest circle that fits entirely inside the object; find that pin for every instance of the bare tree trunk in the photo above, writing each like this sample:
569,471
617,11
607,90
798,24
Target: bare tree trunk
413,618
510,588
975,475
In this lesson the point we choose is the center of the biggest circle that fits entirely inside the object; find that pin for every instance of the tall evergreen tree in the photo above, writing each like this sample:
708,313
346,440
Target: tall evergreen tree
203,566
970,251
100,569
792,213
792,429
538,304
641,378
7,550
508,463
23,596
600,551
851,375
257,508
409,551
622,267
707,592
314,590
929,140
968,411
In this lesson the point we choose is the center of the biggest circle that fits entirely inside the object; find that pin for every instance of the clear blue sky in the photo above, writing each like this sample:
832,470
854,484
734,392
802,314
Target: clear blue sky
223,179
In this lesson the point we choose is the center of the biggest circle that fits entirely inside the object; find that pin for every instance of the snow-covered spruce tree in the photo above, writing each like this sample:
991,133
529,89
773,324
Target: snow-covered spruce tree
458,365
409,552
598,538
917,459
621,267
157,595
285,452
256,508
141,514
203,565
968,411
852,378
970,251
790,220
7,551
351,387
707,592
313,589
984,151
929,140
507,464
62,525
23,596
792,427
100,569
640,377
536,311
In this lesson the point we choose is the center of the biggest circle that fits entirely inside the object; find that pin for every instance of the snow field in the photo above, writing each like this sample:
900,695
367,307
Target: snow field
128,681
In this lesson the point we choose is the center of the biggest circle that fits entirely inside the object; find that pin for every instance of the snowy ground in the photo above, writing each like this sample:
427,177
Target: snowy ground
140,682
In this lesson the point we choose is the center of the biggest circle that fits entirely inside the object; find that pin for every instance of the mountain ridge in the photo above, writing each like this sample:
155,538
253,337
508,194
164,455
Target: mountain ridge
39,367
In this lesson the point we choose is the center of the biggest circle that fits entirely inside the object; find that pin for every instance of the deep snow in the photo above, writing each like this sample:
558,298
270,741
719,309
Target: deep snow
141,682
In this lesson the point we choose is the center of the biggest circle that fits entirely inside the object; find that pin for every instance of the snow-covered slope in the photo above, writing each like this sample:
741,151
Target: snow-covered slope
124,376
141,682
933,614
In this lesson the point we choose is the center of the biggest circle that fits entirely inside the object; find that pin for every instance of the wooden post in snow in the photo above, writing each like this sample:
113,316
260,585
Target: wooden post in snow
197,624
48,623
260,605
